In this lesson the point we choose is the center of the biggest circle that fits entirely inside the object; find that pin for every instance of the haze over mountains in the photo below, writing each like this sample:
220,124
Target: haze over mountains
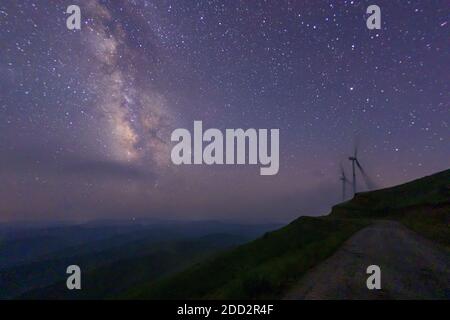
33,256
177,260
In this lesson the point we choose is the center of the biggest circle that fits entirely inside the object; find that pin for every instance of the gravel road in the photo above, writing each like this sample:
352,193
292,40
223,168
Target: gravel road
412,267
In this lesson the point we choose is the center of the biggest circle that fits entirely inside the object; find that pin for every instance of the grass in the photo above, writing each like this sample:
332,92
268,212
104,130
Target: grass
261,269
430,191
423,205
433,223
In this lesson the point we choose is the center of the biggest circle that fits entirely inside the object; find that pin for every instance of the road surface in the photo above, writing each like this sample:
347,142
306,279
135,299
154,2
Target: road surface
411,267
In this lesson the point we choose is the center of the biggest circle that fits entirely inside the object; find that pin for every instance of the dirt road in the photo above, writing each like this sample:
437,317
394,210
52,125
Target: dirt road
411,267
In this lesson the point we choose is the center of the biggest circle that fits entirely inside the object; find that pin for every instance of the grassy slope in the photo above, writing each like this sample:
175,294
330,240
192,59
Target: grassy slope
422,205
266,267
263,268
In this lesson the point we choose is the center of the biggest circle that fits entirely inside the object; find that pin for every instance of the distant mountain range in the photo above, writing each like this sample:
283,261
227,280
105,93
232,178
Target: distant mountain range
213,260
33,257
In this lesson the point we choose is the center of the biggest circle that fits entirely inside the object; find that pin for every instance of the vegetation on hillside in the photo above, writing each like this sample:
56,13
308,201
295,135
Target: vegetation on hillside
268,266
263,268
423,205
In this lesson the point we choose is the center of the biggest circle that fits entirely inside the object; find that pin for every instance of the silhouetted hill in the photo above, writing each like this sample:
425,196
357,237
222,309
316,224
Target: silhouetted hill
431,191
423,205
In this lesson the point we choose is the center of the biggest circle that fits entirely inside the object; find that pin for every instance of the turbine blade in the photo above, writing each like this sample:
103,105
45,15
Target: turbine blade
366,178
359,165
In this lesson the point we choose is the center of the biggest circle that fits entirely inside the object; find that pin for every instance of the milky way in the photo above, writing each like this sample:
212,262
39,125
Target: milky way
86,115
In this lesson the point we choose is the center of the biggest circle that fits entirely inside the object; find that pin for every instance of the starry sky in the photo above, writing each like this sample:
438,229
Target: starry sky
86,115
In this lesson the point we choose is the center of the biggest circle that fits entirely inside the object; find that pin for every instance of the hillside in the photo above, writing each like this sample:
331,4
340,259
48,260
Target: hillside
263,268
271,265
411,267
433,191
423,205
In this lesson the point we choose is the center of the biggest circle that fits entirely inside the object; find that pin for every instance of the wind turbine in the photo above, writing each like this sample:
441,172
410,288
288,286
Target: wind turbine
357,164
354,159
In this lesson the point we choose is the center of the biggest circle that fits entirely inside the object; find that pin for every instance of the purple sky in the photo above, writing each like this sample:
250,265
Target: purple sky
86,116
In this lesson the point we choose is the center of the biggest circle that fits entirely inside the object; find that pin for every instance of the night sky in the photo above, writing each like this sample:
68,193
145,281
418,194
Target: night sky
86,115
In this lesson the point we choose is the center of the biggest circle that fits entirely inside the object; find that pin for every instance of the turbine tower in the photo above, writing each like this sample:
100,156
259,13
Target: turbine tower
344,180
354,160
357,164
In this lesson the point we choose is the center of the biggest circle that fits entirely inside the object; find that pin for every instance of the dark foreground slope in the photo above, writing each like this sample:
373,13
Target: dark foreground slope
411,267
263,268
272,265
423,205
